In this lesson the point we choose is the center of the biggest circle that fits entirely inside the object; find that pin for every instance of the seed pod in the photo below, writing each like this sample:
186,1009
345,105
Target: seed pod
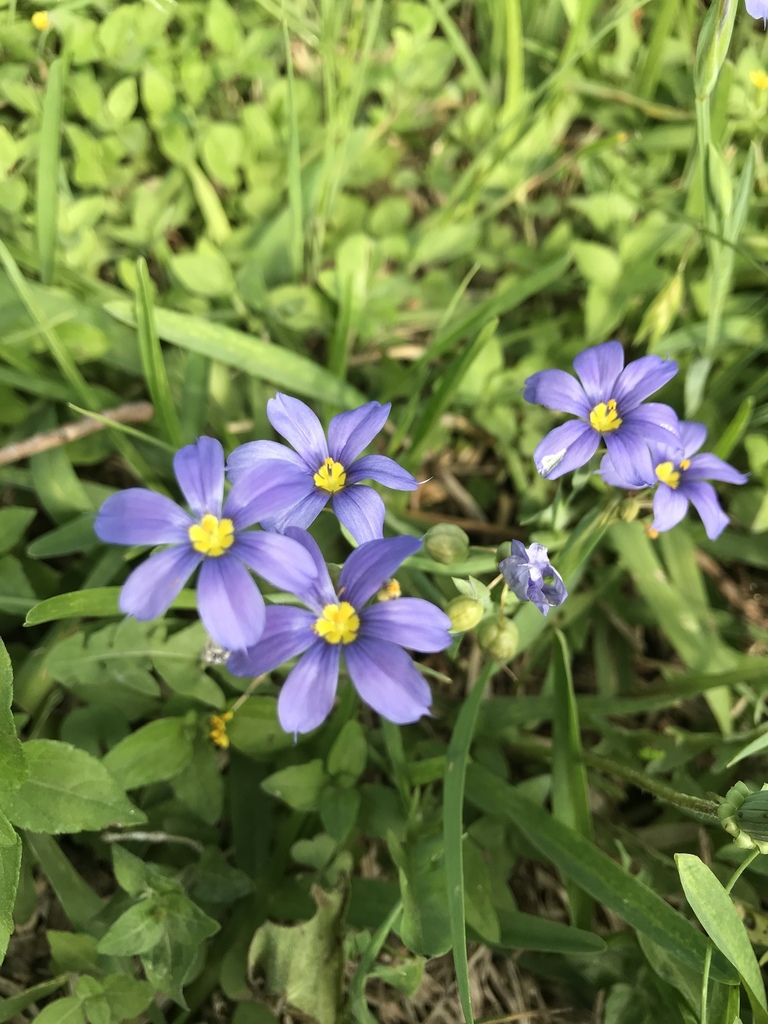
446,543
499,639
464,613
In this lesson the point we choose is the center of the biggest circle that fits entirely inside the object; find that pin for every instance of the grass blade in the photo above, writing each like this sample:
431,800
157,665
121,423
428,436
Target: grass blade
95,603
595,872
152,359
295,198
570,794
48,159
254,356
453,832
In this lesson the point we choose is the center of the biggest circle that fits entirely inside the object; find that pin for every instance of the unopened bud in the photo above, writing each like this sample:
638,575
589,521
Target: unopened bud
629,510
499,639
745,815
446,543
464,613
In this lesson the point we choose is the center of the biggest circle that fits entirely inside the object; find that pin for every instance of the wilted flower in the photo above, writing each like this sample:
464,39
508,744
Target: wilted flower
331,468
372,638
229,602
608,401
680,475
531,577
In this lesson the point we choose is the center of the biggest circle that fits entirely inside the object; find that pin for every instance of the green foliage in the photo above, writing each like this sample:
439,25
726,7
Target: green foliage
423,203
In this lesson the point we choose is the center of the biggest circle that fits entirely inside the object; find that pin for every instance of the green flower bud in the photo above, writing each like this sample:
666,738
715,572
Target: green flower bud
744,815
446,543
499,639
464,613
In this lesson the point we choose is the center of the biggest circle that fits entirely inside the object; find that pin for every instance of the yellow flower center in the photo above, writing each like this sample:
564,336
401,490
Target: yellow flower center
330,477
212,536
40,20
604,417
338,624
667,474
759,79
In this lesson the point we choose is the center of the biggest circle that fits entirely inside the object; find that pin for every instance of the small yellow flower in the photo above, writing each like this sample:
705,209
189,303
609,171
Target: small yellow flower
217,732
390,591
759,79
40,20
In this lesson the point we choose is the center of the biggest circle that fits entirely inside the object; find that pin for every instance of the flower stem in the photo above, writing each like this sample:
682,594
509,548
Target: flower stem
704,811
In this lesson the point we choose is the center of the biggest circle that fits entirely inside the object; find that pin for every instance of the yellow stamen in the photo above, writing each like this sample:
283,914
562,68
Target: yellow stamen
667,474
390,591
330,477
604,417
339,623
685,464
212,536
652,534
759,79
40,20
218,729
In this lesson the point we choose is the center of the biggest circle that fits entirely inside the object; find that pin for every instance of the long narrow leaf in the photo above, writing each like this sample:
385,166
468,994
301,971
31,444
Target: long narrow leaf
152,359
453,832
255,356
595,872
48,161
570,798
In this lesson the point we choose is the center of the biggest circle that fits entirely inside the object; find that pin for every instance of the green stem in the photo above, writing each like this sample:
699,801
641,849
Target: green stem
703,810
708,957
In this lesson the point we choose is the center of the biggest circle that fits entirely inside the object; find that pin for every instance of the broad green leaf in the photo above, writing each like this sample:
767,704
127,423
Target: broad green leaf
63,1011
714,908
305,963
67,791
527,931
254,356
254,730
157,751
137,930
299,785
425,926
594,871
348,755
13,765
14,521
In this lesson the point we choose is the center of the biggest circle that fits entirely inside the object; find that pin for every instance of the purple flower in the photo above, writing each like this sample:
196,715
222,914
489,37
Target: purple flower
758,9
229,602
608,401
531,577
372,638
332,470
680,475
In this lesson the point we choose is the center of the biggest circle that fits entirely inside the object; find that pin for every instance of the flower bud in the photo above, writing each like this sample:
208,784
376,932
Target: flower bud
464,613
745,815
499,639
446,543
